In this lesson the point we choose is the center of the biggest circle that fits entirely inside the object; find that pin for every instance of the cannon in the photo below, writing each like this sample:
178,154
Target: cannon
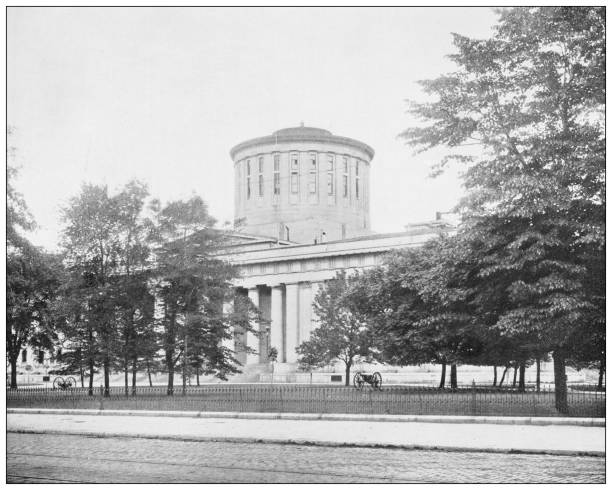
374,380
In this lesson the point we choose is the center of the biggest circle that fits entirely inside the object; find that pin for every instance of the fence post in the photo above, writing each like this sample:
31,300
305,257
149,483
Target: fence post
474,398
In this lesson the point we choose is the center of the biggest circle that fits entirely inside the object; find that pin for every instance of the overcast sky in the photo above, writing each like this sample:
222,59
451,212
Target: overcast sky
105,95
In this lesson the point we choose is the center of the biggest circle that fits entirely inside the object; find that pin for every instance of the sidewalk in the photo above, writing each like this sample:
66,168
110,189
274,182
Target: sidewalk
520,435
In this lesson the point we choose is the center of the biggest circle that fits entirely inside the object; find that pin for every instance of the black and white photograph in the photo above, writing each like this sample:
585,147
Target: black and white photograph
305,244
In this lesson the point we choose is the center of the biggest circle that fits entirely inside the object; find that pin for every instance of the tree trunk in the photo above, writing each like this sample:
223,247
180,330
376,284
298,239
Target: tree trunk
126,376
494,375
442,377
170,363
82,372
560,382
13,362
90,391
347,374
453,376
198,376
601,375
184,363
106,375
134,370
501,381
149,374
538,368
521,386
514,379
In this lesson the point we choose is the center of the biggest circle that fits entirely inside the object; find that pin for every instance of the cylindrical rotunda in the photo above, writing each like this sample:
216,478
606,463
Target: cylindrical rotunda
302,184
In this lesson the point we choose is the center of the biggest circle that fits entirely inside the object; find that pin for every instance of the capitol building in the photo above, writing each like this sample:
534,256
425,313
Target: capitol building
302,214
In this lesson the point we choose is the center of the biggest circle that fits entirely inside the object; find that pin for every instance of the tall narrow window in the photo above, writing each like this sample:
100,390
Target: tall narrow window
312,174
294,173
345,177
248,179
277,175
41,356
330,174
24,355
357,179
261,179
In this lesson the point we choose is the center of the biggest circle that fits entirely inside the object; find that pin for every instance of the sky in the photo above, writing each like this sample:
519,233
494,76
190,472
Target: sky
106,95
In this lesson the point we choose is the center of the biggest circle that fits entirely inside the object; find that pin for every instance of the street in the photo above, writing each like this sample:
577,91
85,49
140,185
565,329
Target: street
47,458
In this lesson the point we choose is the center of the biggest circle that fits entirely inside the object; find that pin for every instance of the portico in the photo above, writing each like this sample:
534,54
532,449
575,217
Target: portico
283,281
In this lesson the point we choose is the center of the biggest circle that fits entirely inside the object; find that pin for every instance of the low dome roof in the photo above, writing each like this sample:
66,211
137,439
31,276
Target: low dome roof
301,134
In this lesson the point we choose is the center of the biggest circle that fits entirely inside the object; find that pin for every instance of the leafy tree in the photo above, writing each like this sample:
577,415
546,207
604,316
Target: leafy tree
532,98
418,305
343,333
92,245
134,298
32,278
192,283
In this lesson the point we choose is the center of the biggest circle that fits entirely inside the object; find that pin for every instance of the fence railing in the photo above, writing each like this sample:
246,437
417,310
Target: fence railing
583,401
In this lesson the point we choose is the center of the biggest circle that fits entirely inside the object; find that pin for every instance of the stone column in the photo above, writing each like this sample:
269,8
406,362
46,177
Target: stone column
292,323
276,322
251,339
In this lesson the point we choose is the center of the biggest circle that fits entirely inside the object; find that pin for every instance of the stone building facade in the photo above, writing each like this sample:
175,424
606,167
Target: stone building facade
302,184
302,208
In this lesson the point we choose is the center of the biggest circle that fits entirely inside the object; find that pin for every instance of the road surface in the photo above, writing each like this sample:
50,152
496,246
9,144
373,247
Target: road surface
47,458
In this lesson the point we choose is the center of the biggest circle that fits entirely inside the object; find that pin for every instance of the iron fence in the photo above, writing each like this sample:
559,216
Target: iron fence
583,401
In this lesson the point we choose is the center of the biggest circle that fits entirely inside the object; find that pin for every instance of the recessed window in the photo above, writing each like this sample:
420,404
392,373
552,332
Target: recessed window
357,180
294,182
41,356
24,355
312,174
248,179
276,175
330,175
260,163
345,177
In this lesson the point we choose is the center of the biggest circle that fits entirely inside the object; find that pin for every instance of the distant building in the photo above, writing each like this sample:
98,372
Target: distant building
302,206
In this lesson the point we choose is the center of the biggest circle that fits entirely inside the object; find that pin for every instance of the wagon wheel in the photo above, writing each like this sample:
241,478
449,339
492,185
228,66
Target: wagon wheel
58,383
70,382
377,381
358,381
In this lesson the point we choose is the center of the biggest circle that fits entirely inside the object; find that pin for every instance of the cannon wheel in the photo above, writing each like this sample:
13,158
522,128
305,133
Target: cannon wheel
71,382
377,381
58,383
358,381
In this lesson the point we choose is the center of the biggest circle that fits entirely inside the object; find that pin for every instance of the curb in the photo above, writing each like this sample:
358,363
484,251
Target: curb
432,419
307,442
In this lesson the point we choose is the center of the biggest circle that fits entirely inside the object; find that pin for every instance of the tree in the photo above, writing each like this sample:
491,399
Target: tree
92,245
32,278
134,297
192,283
418,307
532,98
343,333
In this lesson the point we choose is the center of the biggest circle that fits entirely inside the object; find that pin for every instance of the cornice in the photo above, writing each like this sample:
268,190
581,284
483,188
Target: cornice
302,138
